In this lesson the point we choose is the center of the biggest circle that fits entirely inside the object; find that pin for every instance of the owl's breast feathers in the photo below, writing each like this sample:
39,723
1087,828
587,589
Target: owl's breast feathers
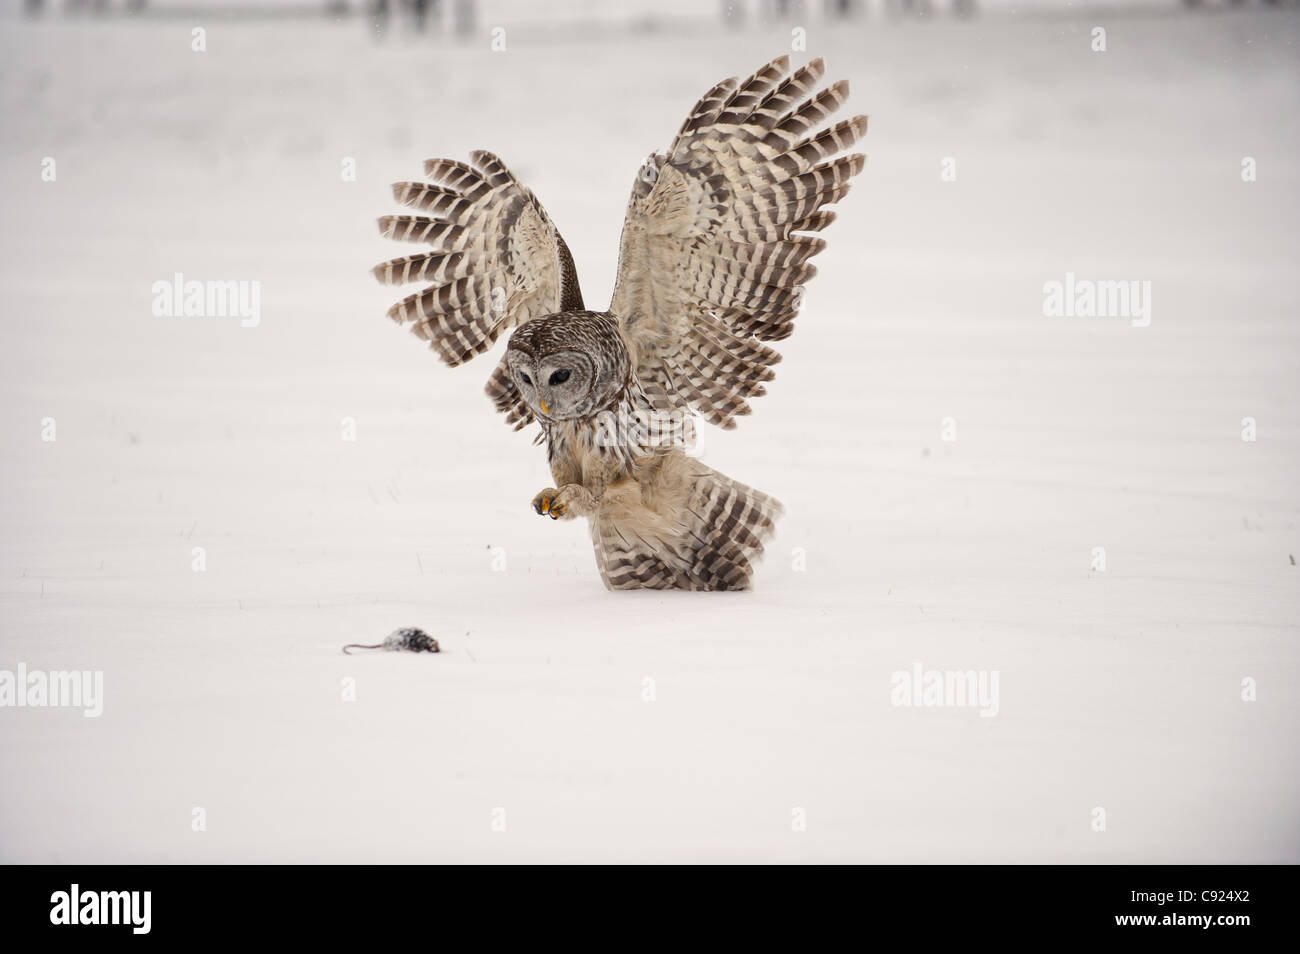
629,429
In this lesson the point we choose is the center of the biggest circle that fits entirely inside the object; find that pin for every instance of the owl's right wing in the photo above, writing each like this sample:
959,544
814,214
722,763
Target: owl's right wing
496,261
714,256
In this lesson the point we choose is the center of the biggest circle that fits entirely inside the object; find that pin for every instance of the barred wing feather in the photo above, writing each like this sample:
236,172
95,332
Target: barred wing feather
496,261
714,251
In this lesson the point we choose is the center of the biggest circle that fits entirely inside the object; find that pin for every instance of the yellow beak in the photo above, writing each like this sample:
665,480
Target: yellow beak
545,409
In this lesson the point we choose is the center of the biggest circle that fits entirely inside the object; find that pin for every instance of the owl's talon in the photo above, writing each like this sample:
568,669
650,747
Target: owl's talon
571,501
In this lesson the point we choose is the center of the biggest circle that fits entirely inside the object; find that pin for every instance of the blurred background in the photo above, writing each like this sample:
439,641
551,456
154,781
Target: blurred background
462,17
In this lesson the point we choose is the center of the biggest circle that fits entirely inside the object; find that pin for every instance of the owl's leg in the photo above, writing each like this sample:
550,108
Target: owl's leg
572,500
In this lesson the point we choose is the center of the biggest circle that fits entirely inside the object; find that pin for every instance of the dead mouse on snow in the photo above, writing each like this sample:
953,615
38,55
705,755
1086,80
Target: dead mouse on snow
408,639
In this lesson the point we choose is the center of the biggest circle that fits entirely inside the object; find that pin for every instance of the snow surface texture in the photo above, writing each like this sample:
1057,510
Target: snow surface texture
225,690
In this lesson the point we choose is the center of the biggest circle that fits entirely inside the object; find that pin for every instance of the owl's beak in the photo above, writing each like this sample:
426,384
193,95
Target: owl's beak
545,409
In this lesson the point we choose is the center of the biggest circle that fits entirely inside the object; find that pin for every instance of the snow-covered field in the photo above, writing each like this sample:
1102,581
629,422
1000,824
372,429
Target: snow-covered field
772,734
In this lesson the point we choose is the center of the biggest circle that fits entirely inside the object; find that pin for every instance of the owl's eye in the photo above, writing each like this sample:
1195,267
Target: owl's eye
559,377
527,379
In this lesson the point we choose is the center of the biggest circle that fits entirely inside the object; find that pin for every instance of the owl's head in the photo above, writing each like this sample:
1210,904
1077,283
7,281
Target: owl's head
568,366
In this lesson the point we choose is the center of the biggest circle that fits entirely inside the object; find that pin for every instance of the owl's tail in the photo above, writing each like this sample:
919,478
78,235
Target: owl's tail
729,524
692,528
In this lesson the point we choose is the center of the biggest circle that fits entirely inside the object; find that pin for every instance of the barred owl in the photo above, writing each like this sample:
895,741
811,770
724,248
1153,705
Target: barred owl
714,255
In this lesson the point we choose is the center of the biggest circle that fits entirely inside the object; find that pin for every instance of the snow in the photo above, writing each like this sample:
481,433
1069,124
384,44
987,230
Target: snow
223,689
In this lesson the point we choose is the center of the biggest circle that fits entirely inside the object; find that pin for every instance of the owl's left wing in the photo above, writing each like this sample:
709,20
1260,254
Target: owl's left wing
496,261
713,259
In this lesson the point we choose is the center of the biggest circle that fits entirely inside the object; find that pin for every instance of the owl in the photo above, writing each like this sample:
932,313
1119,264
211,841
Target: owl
714,255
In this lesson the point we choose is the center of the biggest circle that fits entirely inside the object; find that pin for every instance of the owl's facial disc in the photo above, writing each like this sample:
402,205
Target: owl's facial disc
556,384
